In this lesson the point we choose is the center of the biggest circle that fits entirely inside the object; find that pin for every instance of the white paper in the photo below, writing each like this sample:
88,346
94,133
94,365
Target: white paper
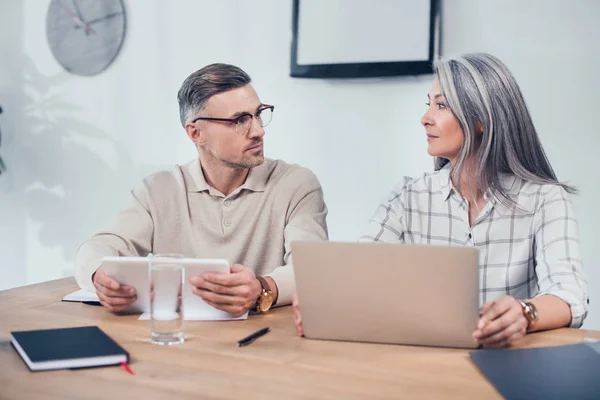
82,295
199,310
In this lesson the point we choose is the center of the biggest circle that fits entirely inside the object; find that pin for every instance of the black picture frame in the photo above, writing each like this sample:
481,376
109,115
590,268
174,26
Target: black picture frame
367,69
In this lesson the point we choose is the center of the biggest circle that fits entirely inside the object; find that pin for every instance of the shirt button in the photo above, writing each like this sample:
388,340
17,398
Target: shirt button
227,203
227,222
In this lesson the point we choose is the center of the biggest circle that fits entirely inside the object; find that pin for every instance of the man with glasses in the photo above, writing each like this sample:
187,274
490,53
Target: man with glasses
230,203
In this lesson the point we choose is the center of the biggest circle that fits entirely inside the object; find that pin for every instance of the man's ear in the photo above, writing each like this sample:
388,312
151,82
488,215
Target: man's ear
195,133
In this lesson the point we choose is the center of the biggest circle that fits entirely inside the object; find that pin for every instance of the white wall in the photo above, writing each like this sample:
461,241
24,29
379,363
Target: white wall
74,146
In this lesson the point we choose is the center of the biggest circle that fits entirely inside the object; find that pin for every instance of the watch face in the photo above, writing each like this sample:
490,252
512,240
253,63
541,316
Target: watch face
533,312
85,36
266,301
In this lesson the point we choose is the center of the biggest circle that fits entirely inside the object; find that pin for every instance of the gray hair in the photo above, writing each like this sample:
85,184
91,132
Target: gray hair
484,96
205,83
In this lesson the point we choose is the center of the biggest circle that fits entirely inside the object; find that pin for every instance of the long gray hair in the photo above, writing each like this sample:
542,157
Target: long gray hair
484,96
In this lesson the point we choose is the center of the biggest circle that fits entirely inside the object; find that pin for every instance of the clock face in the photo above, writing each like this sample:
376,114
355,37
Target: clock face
85,36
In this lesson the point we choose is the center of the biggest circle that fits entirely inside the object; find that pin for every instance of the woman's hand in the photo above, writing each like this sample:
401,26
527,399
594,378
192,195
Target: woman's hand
501,322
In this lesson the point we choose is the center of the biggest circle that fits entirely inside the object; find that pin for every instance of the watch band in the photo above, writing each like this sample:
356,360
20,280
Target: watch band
263,283
265,289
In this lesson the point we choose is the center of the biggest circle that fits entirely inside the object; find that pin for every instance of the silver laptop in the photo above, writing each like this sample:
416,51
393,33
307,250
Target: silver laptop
388,293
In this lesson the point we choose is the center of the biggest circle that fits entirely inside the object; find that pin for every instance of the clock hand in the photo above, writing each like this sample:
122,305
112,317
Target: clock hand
79,21
109,16
77,10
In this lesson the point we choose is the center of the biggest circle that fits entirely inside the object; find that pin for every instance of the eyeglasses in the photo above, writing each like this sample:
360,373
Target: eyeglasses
243,123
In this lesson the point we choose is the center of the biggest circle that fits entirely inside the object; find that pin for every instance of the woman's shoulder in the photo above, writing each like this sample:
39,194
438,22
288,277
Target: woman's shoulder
530,196
424,181
522,186
424,184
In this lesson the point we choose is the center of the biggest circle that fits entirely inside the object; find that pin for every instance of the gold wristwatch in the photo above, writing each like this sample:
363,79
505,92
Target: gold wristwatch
530,312
265,300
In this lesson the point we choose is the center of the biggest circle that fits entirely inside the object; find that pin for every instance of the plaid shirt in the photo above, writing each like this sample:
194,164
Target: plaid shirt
526,252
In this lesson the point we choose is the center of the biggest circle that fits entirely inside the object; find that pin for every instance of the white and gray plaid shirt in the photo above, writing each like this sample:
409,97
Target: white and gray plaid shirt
524,253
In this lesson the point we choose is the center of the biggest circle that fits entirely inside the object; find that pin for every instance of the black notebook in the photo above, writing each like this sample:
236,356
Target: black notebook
82,347
562,372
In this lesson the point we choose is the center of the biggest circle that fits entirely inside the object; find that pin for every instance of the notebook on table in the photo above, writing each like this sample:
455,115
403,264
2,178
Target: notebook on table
562,372
80,347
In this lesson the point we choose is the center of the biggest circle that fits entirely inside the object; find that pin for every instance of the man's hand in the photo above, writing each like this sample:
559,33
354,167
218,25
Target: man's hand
501,322
297,316
114,296
234,293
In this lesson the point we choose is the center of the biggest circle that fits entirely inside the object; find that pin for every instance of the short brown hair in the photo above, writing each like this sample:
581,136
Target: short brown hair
205,83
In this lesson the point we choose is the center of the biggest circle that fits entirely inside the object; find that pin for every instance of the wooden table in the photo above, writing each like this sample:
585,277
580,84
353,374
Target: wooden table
209,365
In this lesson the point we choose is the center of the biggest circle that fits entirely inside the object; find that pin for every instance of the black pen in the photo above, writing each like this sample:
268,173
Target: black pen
251,338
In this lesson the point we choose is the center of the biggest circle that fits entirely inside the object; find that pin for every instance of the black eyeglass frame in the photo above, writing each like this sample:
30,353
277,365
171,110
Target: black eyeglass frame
236,120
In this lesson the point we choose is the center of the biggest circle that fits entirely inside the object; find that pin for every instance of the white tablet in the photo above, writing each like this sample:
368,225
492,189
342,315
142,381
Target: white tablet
194,308
135,272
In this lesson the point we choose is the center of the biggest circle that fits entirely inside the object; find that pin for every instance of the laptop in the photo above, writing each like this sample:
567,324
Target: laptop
388,293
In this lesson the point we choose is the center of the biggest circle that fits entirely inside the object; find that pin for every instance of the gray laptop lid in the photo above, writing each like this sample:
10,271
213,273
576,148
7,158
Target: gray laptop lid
388,293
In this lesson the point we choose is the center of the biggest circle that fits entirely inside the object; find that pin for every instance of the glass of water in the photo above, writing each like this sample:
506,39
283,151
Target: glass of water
166,313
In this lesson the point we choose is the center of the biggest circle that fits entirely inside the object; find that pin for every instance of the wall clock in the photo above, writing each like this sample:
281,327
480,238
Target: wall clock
86,36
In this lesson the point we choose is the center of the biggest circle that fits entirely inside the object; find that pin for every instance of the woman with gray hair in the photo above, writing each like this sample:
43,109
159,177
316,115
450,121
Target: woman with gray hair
494,189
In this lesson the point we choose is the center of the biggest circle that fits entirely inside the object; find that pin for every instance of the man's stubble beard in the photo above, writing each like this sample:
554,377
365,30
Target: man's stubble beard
247,161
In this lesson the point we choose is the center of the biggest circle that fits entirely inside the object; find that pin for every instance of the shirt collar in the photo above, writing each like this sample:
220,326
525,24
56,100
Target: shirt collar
256,181
508,182
511,184
445,182
196,181
257,178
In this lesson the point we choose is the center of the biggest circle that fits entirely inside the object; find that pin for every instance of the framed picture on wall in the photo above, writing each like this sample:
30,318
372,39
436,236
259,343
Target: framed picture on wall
364,38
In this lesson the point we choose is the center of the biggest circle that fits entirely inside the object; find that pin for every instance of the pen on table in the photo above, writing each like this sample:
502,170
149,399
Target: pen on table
251,338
